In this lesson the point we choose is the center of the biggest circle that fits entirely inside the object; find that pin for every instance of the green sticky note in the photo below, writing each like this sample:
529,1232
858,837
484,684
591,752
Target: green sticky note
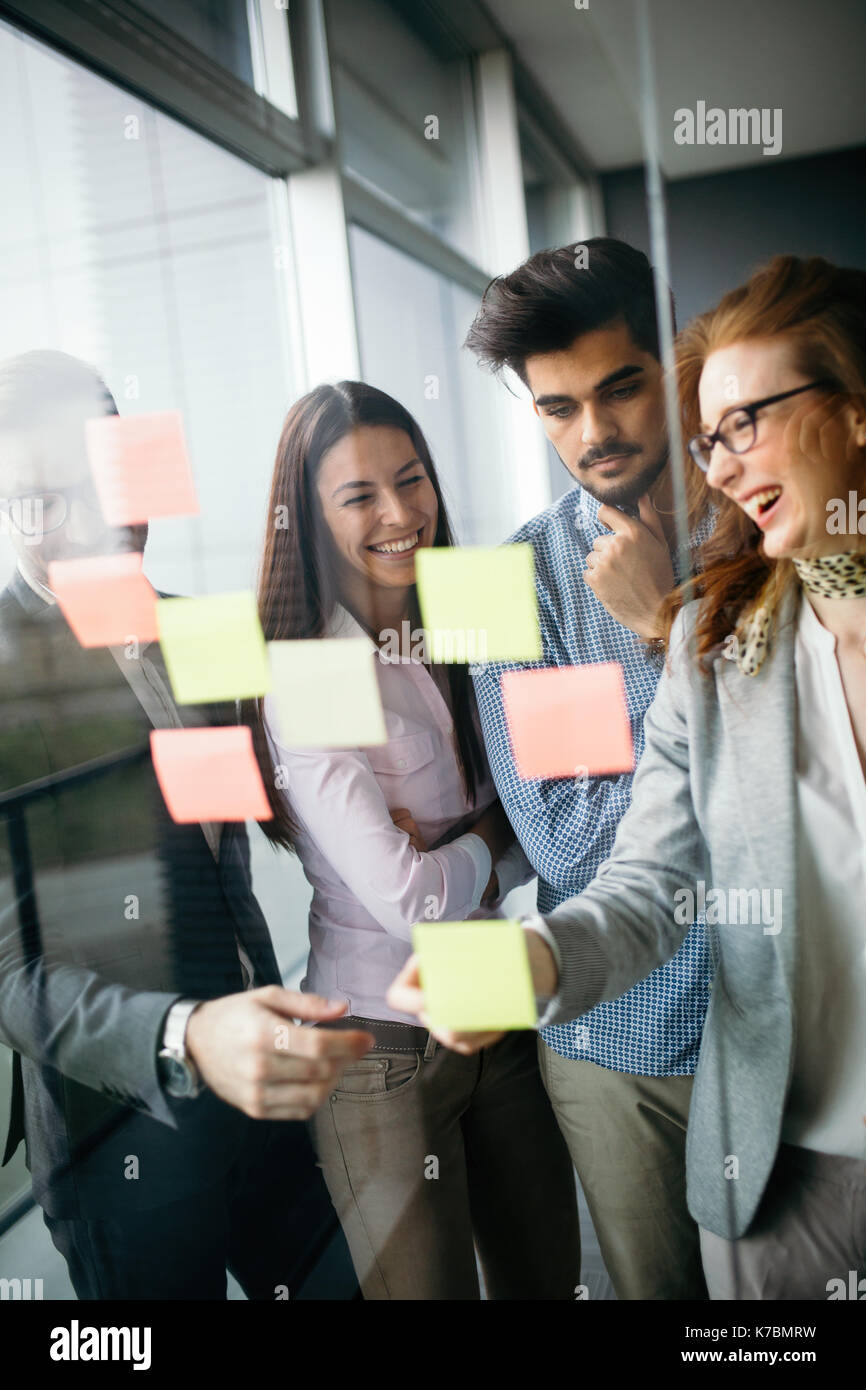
214,647
326,693
475,975
478,603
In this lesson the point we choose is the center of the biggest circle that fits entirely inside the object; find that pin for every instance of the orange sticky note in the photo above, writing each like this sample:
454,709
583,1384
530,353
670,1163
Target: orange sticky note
105,599
140,467
568,721
209,774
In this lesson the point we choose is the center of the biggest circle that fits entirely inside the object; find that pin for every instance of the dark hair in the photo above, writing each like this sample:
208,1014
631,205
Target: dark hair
33,381
547,302
297,594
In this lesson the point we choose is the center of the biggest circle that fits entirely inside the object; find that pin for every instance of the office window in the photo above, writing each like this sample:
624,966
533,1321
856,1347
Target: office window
405,119
411,323
217,28
136,244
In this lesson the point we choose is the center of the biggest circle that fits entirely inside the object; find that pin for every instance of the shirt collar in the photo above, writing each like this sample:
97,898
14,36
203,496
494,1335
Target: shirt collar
341,624
817,639
36,603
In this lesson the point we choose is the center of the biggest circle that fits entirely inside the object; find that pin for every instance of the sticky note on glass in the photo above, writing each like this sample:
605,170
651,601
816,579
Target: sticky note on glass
326,693
214,647
140,467
475,975
478,604
209,774
105,599
569,721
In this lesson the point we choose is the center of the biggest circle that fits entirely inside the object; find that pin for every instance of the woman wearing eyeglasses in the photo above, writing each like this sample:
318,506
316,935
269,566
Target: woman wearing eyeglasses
750,799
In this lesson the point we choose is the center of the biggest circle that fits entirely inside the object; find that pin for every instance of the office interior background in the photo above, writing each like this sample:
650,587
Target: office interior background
221,203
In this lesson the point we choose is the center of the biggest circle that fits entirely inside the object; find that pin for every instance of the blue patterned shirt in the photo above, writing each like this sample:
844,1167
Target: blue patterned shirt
567,827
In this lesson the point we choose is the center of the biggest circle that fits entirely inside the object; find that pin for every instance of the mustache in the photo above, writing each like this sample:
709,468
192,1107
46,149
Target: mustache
623,451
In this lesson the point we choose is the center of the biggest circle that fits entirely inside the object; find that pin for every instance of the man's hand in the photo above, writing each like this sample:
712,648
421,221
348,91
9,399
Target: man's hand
252,1054
630,572
406,996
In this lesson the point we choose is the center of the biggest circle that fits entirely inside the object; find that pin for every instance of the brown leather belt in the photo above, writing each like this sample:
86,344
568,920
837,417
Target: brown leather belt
390,1036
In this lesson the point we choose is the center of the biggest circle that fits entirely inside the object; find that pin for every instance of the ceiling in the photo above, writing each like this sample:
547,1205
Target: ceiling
802,57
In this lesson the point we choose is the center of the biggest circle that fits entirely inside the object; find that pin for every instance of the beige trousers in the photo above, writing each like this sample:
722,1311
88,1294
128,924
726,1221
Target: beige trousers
428,1156
626,1135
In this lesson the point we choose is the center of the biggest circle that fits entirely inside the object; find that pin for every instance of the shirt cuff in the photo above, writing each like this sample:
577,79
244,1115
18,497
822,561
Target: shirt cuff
513,869
544,1003
481,858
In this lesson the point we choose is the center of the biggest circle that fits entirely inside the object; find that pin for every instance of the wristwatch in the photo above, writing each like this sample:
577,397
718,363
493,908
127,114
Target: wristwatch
177,1071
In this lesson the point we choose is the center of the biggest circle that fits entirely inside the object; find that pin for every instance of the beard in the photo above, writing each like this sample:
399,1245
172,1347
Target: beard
626,492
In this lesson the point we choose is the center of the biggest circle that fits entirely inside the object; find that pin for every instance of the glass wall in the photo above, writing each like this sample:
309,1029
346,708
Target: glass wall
148,250
136,244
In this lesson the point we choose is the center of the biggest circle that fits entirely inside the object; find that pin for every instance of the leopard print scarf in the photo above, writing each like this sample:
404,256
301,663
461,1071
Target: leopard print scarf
832,576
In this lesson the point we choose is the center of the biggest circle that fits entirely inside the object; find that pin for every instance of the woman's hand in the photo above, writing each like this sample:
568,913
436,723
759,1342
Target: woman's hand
403,821
406,996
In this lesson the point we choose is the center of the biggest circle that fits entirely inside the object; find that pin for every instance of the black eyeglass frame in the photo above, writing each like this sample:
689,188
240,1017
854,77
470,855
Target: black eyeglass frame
705,443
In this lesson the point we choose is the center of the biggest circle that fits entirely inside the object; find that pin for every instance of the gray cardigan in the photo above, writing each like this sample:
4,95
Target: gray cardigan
714,803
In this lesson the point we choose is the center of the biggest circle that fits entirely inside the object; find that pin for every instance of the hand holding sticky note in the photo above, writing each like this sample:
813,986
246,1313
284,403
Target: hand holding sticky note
140,467
326,693
478,604
568,721
209,774
475,975
213,647
105,599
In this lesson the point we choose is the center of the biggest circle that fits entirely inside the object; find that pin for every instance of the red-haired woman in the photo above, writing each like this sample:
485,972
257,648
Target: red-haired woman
750,799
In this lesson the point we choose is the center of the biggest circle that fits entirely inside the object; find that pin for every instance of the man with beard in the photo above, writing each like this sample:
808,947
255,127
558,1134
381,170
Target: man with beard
580,331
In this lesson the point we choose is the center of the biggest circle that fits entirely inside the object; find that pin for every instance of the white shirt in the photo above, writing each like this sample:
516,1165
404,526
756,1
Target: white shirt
827,1101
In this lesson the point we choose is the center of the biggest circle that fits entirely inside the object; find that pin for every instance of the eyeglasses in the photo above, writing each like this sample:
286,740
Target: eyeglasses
738,427
38,514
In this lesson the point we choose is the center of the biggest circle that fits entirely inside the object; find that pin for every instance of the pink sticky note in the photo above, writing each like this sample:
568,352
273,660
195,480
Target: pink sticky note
105,599
140,467
209,774
568,721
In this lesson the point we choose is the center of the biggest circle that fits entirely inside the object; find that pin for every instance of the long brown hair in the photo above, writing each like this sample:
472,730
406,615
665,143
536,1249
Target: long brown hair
820,310
297,593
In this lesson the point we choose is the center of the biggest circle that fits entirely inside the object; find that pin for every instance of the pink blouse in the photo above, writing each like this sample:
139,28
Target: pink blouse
369,885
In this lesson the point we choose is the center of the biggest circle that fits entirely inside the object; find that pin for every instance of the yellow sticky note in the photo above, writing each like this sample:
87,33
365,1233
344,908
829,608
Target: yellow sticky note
327,693
475,975
213,647
478,603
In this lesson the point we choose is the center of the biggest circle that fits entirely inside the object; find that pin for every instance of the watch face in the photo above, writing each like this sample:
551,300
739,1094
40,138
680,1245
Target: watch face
177,1077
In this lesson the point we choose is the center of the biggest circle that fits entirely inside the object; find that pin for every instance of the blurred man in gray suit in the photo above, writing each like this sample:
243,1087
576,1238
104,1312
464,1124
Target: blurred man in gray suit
157,1055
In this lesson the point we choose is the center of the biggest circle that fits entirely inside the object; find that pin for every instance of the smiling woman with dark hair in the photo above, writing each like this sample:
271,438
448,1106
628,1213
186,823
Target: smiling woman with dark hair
427,1155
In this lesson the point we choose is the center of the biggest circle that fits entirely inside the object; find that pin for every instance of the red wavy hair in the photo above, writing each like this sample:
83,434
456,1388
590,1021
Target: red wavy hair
820,310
